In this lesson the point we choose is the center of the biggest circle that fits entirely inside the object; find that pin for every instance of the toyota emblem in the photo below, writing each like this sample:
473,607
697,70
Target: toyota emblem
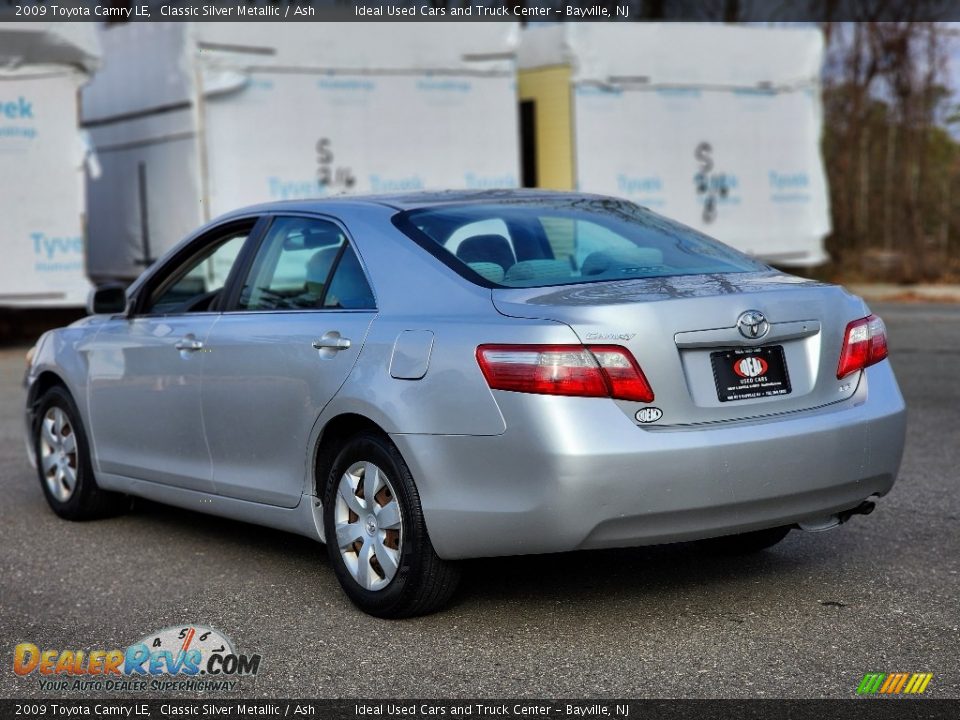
753,324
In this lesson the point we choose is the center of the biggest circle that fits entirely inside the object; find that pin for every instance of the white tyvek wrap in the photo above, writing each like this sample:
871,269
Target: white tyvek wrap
277,136
25,44
42,153
695,54
647,96
364,47
145,66
764,148
389,107
41,188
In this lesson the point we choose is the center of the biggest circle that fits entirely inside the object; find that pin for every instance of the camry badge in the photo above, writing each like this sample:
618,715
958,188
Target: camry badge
753,324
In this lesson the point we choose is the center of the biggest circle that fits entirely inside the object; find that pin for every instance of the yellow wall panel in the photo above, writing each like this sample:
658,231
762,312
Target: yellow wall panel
550,89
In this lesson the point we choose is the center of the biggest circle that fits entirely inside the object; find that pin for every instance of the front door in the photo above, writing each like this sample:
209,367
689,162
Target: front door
145,370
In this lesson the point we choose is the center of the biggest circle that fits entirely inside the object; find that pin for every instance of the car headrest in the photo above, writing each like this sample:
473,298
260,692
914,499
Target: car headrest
487,249
319,264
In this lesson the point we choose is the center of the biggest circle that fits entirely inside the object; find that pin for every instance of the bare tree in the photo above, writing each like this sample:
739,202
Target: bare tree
888,157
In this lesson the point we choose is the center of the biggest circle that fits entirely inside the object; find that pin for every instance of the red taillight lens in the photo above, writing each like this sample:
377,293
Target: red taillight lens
623,375
864,344
585,371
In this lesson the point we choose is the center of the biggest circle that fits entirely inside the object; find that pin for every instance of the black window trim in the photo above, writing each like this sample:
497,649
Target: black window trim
321,304
163,276
402,222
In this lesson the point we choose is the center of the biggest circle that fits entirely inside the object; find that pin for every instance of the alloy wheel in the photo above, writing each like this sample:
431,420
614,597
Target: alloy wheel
58,453
369,525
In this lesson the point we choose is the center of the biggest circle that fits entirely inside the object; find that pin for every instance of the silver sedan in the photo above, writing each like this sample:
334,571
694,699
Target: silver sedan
423,378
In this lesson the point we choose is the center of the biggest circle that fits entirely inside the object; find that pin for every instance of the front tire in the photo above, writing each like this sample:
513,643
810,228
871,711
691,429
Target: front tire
376,536
63,461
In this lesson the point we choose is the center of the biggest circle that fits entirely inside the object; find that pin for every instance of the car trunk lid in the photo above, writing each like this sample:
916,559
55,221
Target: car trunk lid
684,333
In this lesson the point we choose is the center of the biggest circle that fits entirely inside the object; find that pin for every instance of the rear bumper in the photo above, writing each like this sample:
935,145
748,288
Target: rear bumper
576,473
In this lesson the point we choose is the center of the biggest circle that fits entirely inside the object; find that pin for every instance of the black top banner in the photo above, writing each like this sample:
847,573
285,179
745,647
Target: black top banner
524,11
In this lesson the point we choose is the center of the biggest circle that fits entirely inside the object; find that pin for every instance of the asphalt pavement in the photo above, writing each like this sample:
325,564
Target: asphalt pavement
805,619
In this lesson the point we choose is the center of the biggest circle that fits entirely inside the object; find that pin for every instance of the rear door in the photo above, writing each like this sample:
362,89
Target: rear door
145,370
278,356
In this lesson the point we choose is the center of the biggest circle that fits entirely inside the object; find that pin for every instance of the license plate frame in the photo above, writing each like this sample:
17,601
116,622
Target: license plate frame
764,375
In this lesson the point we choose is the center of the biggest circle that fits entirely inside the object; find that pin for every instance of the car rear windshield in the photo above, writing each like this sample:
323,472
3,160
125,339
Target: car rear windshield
565,241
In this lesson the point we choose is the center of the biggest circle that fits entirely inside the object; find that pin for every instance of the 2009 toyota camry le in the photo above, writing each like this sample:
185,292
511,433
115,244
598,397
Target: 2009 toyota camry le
418,379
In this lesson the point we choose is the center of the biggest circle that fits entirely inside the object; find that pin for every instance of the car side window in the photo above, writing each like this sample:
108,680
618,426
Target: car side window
349,289
195,285
298,264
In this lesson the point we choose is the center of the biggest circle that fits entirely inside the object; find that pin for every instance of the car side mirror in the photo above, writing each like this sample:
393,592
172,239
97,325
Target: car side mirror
107,300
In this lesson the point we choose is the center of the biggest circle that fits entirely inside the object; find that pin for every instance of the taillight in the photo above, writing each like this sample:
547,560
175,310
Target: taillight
864,344
580,370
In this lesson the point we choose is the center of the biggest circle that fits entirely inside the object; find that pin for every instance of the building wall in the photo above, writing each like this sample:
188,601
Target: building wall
550,88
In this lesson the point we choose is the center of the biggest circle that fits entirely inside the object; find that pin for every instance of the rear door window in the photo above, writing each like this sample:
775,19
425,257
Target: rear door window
305,264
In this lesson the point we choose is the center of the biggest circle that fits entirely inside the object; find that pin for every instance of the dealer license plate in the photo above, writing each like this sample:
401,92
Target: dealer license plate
744,373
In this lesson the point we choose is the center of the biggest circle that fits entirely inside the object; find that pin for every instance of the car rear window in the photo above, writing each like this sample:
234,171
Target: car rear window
566,241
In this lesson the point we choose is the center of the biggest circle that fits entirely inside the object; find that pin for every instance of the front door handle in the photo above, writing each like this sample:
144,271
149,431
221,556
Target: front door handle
188,343
332,341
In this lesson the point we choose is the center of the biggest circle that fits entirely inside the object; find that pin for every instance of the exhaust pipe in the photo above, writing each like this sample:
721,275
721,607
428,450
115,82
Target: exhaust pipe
864,508
831,521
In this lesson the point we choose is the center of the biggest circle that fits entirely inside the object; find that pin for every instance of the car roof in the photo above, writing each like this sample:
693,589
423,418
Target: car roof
412,200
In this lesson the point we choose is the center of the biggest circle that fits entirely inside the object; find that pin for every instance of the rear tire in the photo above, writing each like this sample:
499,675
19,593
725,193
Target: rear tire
747,543
63,461
376,536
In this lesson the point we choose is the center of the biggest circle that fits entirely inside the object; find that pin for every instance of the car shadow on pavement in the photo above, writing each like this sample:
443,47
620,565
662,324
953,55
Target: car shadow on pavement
576,577
228,533
591,575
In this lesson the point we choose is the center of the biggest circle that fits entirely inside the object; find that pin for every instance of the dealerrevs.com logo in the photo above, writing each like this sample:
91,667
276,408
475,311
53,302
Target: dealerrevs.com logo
190,658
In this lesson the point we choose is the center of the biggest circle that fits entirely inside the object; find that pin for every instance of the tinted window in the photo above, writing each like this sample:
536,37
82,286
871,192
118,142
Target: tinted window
349,288
195,285
546,242
304,264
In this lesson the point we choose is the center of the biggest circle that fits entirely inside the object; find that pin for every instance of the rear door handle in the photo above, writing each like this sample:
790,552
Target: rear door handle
332,341
188,343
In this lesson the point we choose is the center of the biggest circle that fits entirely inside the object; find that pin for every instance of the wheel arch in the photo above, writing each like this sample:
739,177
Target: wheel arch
38,388
334,434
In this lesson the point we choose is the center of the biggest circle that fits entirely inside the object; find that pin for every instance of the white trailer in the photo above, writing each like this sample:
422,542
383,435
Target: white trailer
190,120
717,126
42,153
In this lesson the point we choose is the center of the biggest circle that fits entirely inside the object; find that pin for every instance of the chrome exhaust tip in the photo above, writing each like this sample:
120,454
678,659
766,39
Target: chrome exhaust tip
829,522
